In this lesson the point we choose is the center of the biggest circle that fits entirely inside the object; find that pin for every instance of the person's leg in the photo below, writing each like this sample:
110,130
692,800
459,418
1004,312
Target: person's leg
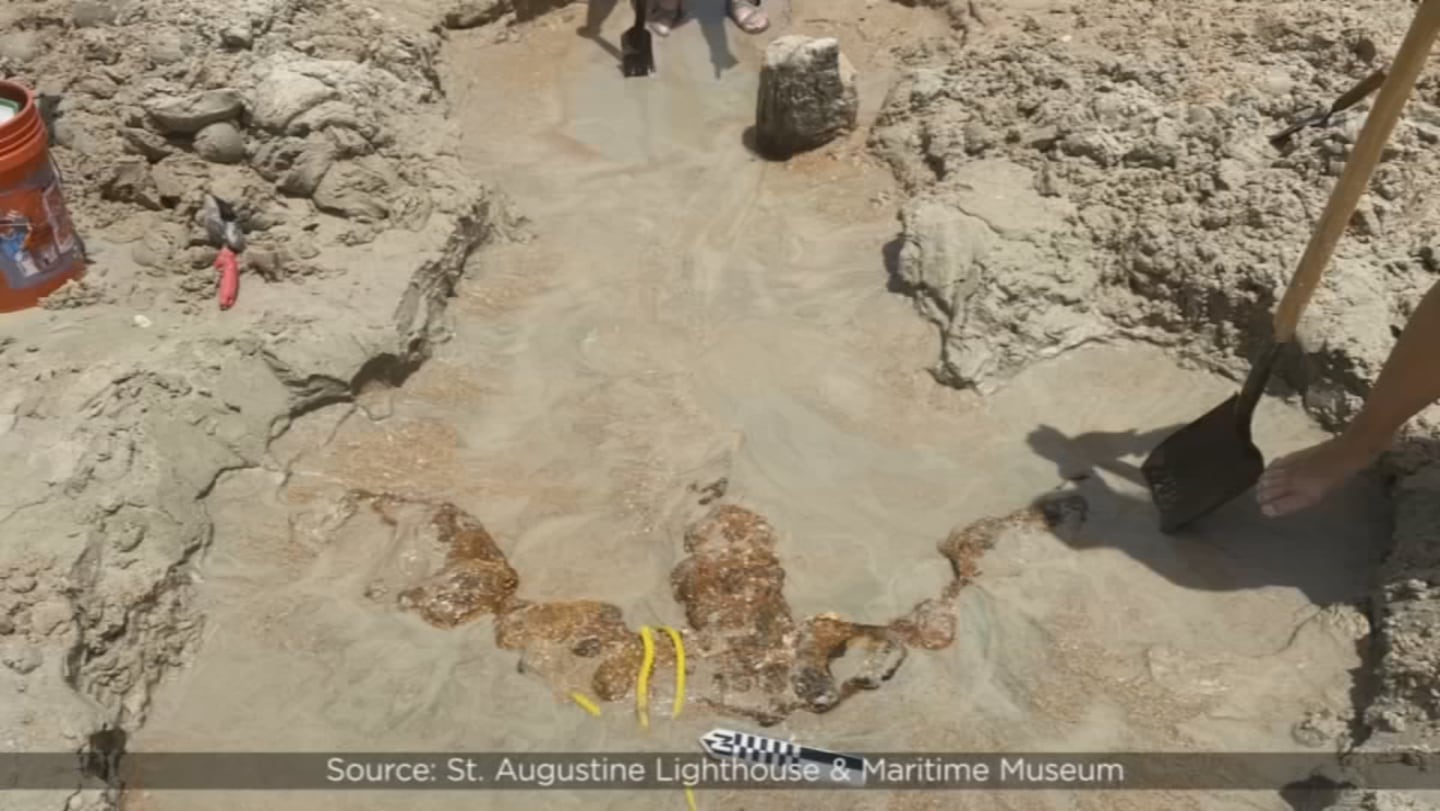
664,17
1409,381
748,15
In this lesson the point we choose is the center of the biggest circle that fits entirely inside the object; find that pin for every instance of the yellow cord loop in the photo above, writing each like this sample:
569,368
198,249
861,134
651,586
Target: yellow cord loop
642,687
679,644
585,702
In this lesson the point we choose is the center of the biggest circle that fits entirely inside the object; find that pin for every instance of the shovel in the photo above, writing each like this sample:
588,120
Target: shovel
1213,460
637,50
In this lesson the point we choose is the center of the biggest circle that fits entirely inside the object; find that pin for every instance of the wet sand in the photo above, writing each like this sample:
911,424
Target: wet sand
687,312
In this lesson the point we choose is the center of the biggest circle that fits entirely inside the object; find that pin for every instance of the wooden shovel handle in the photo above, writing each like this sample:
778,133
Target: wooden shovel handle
1356,177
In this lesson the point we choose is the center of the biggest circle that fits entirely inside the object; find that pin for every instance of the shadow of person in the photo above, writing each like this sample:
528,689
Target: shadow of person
596,13
1327,553
713,17
1075,457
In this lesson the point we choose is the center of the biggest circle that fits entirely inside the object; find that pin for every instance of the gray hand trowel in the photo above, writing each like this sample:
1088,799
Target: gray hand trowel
637,48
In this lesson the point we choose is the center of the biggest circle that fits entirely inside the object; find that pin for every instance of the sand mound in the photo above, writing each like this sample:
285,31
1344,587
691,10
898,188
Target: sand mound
1168,215
323,123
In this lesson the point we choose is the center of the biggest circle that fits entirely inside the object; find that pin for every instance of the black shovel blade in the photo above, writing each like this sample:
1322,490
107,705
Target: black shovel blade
1213,460
1203,466
637,53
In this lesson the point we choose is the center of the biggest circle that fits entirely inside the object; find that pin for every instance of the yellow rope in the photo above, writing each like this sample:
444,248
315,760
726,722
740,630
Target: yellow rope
679,669
642,688
585,702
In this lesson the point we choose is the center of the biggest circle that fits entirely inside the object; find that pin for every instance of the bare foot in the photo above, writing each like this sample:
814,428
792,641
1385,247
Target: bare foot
1303,479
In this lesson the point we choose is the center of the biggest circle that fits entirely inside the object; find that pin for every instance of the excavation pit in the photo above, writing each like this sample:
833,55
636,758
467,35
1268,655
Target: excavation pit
871,575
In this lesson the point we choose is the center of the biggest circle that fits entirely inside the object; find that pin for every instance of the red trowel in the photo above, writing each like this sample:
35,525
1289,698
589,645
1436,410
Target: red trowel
223,230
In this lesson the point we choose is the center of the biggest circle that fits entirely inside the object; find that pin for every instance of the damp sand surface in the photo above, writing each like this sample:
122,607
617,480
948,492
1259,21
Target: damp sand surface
687,313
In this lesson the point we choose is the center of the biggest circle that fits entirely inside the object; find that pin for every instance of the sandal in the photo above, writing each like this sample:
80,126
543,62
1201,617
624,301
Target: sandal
664,17
749,16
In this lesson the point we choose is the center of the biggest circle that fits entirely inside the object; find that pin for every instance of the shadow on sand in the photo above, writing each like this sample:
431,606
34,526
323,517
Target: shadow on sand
713,17
596,13
750,139
1234,548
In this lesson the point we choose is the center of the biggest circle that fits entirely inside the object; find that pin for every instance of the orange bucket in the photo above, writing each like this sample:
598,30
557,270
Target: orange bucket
39,250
